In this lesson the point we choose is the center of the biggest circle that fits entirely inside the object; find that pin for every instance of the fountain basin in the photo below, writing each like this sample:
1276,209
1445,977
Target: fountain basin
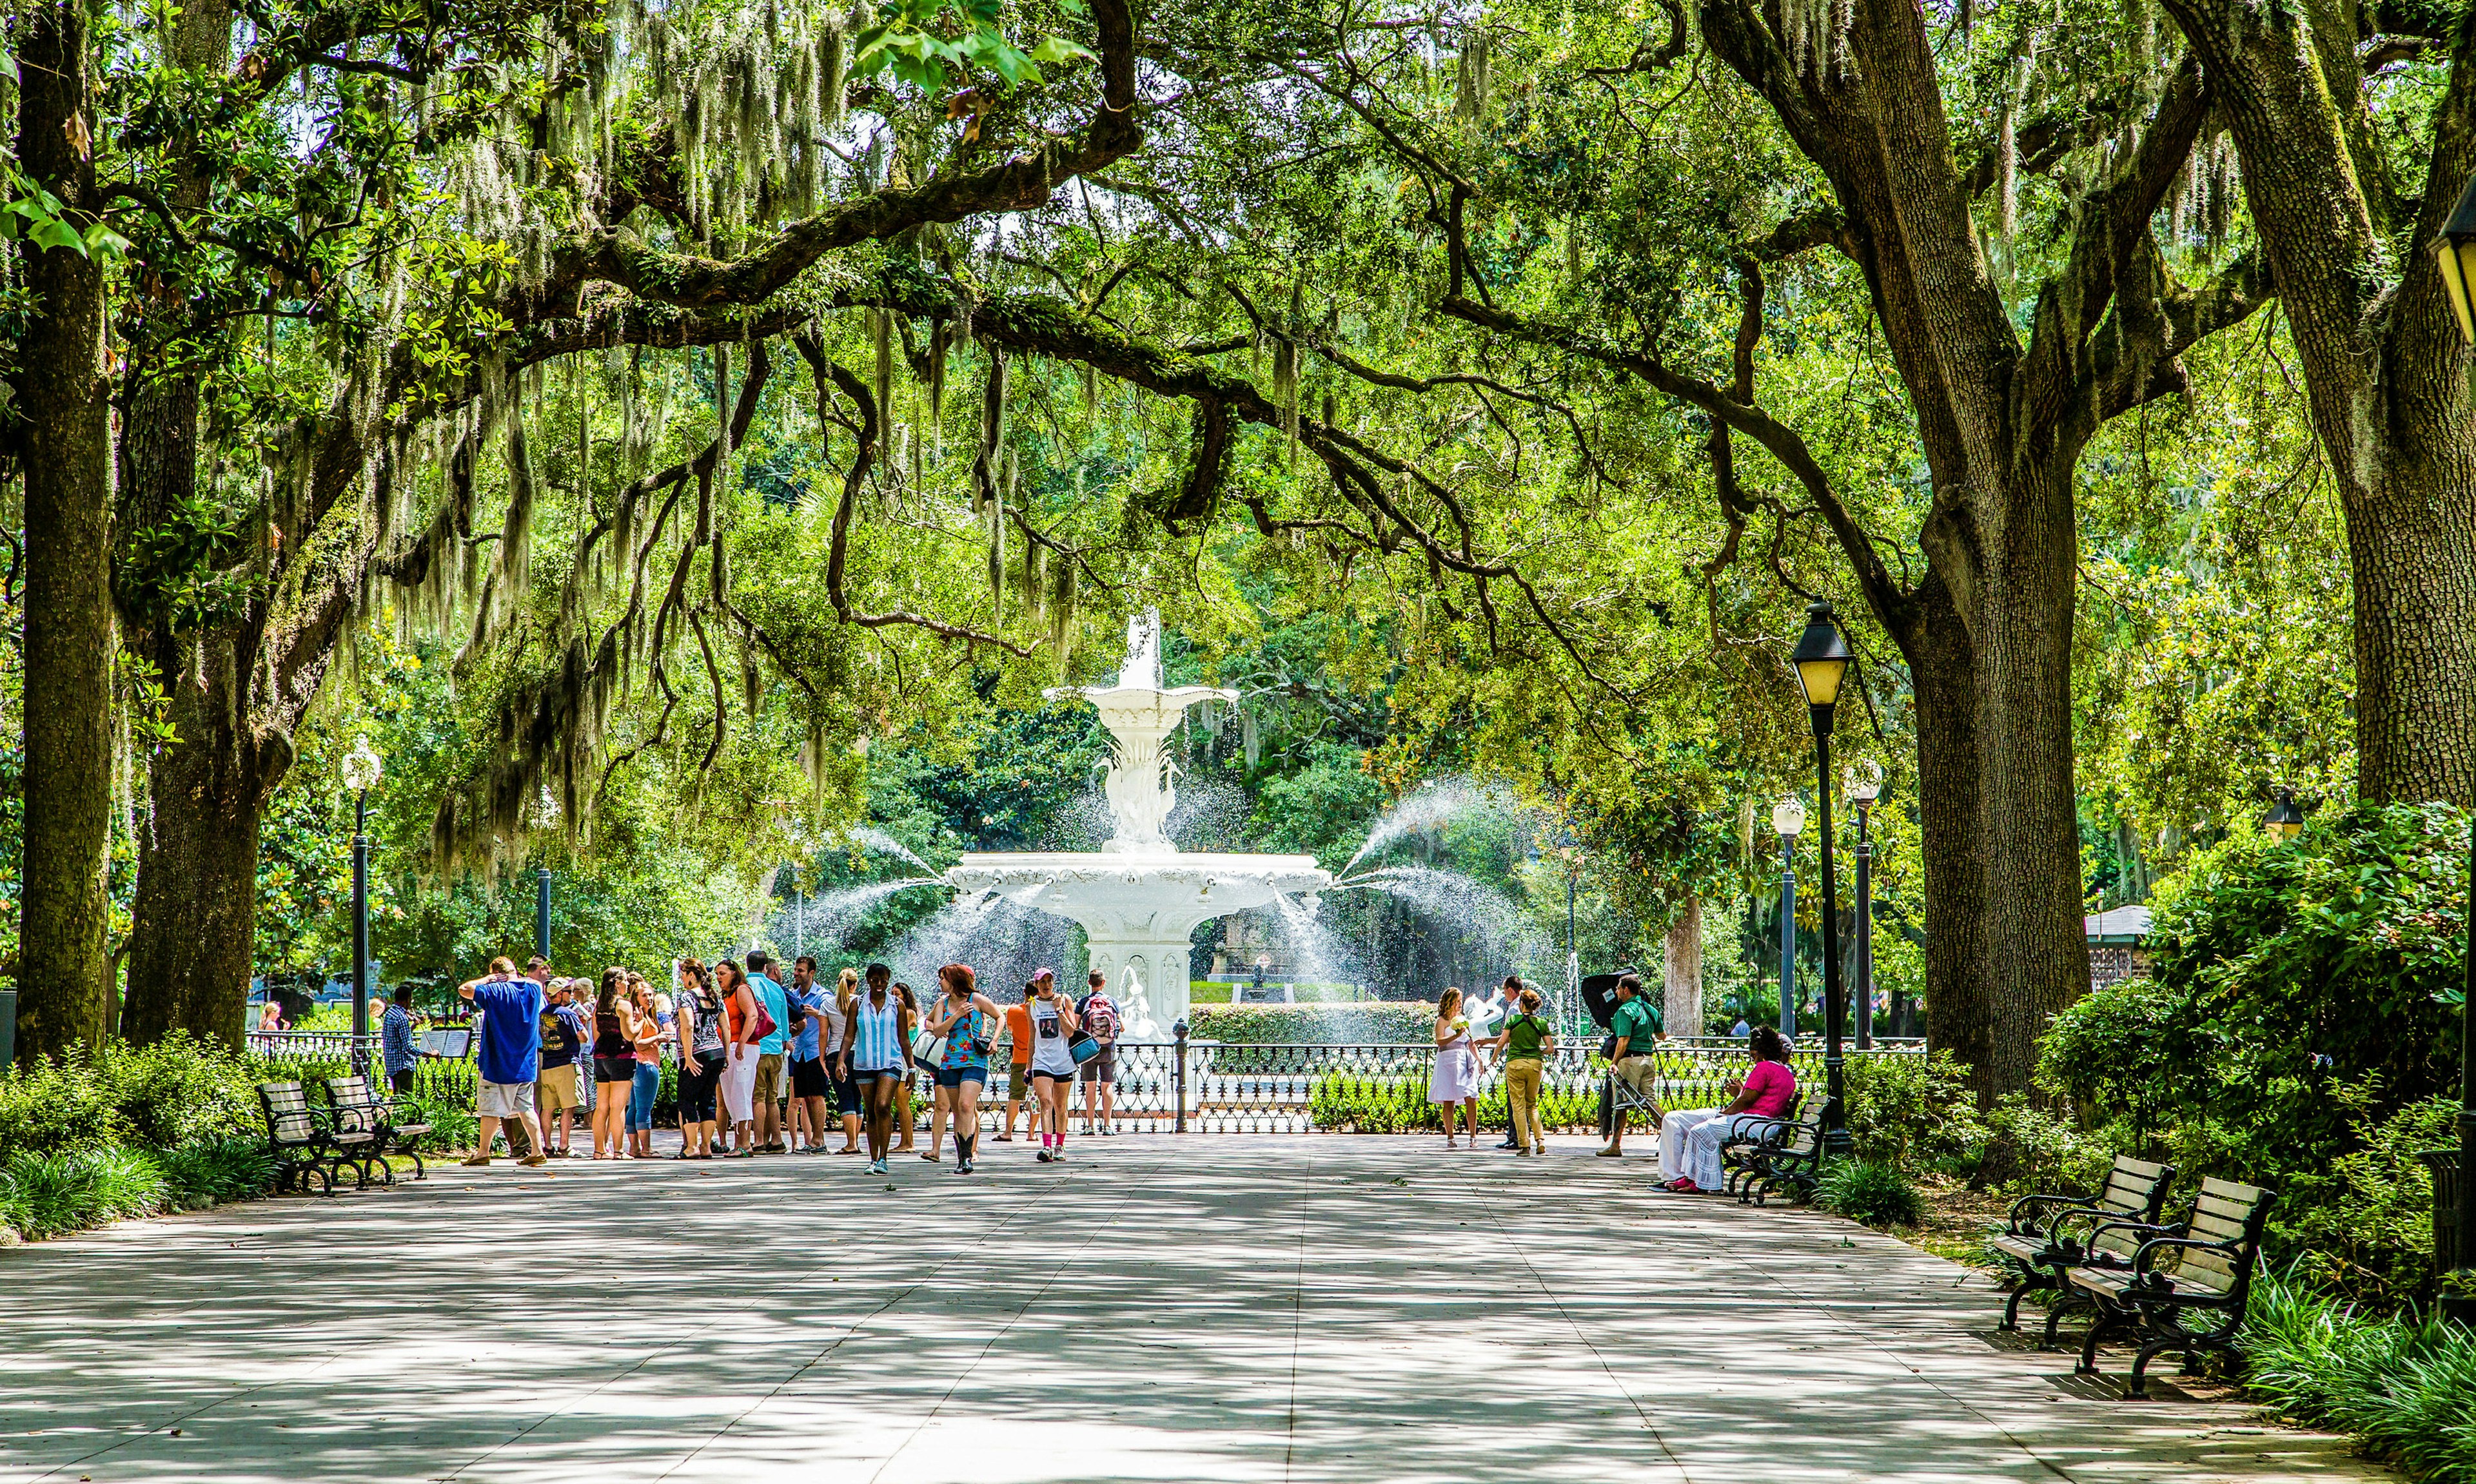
1139,912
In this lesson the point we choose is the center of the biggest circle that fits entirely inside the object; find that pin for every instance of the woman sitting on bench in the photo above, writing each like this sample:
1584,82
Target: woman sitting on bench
1689,1142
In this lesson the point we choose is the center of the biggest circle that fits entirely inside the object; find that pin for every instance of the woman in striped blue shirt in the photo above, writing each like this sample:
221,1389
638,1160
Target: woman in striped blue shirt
875,1045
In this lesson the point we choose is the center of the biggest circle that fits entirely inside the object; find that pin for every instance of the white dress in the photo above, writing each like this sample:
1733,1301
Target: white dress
1454,1078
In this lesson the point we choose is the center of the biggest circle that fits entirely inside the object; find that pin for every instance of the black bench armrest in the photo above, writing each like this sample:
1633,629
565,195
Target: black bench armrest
2145,1260
2146,1229
2029,1205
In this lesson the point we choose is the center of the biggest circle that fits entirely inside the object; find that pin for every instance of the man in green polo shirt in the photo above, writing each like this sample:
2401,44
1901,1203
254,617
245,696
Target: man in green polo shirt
1637,1029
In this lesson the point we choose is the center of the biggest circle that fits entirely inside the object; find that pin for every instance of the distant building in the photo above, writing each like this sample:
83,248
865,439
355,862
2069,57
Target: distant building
2115,944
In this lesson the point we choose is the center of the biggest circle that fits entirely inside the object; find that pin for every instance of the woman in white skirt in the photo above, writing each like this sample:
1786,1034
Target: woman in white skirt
739,1011
1456,1077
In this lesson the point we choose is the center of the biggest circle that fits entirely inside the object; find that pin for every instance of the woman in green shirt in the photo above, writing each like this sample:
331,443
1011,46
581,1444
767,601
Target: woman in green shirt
1528,1040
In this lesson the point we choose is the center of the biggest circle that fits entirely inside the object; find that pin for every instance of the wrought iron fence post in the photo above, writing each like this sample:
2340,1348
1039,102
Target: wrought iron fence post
1180,1031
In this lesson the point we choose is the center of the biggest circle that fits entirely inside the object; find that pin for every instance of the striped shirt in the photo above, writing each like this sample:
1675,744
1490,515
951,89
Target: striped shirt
876,1035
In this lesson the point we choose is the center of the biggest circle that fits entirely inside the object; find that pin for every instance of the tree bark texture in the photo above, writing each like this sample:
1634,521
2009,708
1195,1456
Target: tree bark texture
193,928
69,637
2385,368
1682,1009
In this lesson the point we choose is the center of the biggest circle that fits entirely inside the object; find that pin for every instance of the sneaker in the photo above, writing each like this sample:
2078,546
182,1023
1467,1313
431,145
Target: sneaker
475,1159
877,1167
1045,1156
1508,1144
1106,1130
531,1160
962,1167
1059,1157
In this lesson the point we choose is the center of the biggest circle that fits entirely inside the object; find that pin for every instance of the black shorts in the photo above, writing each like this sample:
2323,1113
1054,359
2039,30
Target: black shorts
1103,1068
1067,1075
846,1094
955,1077
810,1079
614,1069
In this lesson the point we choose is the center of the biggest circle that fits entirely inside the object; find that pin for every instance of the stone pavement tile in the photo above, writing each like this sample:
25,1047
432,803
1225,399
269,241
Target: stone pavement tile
1223,1308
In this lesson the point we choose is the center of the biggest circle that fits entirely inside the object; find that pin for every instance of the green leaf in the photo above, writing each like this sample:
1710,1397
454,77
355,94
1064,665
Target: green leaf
1057,49
51,232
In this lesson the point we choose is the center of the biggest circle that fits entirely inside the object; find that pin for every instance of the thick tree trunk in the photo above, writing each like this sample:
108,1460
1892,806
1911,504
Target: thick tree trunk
70,641
1959,1002
192,936
2384,369
1682,1009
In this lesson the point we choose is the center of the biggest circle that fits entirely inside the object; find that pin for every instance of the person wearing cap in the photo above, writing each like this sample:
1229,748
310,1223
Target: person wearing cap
1635,1028
1018,1024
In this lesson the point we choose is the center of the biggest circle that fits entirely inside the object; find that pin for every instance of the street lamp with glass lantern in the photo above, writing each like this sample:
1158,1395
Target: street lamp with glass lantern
360,771
1821,658
2456,252
2284,821
1788,817
1864,780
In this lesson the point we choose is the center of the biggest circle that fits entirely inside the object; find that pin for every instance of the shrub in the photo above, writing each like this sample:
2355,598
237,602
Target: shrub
1388,1023
1872,1191
451,1120
2364,1223
2050,1153
171,1093
50,1107
128,1183
2404,1385
46,1195
1907,1109
210,1173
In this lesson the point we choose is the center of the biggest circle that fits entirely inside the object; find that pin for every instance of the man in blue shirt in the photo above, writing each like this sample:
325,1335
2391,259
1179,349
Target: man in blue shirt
395,1041
509,1058
811,1083
771,1085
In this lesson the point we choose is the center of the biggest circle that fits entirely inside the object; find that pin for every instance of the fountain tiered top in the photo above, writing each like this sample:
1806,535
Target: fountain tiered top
1139,897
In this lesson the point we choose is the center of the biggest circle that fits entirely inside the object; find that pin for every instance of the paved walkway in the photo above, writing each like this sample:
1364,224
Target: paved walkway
1204,1308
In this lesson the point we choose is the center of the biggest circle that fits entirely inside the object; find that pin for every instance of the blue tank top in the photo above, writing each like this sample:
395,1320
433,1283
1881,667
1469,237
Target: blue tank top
966,1043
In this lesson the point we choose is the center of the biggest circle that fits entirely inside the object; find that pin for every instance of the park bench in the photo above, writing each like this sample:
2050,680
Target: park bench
2213,1257
2037,1233
1788,1156
393,1123
1736,1154
298,1143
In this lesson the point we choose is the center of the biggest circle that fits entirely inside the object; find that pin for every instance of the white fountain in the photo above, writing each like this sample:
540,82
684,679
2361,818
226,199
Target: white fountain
1139,897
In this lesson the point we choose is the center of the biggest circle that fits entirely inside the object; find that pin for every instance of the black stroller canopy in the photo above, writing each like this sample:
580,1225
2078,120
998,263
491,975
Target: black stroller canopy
1599,994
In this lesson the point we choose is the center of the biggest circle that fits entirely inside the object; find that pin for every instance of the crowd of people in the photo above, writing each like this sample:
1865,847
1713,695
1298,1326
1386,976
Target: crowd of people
768,1068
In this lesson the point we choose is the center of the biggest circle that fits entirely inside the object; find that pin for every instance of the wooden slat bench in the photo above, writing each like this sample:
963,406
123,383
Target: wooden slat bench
299,1145
1787,1157
2044,1234
2212,1260
392,1123
1736,1155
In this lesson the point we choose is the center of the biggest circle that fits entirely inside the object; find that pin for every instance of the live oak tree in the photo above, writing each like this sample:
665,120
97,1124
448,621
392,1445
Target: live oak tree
2354,125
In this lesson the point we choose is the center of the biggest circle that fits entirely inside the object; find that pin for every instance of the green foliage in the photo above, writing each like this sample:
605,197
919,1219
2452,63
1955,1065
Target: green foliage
2364,1223
1874,1191
174,1092
1343,1103
47,1195
451,1120
2405,1384
1908,1110
1383,1023
214,1172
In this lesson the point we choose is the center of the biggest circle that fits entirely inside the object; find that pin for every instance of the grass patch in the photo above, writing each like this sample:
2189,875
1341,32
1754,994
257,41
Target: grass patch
2404,1385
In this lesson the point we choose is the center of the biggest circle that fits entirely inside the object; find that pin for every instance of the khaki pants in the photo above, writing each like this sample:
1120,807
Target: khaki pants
1521,1079
1640,1075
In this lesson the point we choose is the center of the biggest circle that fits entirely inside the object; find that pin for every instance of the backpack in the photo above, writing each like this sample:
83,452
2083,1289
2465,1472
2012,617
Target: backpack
1101,1024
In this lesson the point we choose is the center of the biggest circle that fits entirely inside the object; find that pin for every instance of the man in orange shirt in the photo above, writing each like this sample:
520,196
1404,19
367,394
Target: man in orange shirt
1018,1018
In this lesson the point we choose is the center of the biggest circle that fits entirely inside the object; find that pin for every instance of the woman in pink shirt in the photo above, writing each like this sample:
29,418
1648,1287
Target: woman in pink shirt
1689,1142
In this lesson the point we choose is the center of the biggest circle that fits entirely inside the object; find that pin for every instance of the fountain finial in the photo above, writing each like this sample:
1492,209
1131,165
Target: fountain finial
1139,713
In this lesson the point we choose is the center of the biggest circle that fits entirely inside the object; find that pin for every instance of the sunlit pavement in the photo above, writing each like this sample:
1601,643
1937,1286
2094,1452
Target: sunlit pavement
1192,1308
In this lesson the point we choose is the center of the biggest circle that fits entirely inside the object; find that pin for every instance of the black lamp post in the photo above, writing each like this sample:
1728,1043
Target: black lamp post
361,772
1865,781
1821,658
2456,252
2284,820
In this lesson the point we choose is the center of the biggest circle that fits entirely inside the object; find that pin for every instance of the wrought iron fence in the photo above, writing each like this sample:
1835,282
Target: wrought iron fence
1214,1087
1223,1087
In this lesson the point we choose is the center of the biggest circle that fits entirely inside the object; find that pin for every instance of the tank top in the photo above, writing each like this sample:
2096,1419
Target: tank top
705,1007
876,1035
610,1042
961,1050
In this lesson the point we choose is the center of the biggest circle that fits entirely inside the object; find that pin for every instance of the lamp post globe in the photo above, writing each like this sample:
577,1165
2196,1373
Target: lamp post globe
1821,658
361,773
1788,818
2282,820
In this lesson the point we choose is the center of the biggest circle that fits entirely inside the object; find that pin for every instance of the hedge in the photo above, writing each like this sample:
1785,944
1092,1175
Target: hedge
1387,1022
